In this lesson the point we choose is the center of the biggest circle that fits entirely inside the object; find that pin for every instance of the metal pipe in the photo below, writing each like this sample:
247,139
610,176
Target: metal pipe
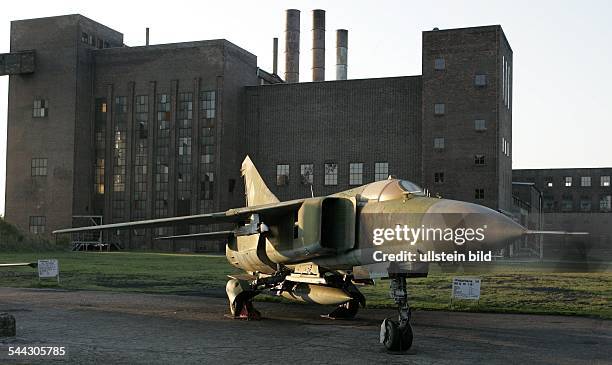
318,45
147,37
341,54
275,56
292,46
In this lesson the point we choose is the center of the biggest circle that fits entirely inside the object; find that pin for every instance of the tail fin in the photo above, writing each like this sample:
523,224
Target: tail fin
255,189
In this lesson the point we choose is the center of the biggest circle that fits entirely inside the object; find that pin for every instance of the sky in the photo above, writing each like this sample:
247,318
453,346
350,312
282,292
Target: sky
562,54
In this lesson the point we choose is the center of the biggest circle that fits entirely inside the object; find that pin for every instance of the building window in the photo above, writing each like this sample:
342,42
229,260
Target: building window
505,146
438,177
568,181
39,167
585,181
549,184
84,37
567,203
40,107
605,203
331,174
100,145
282,175
162,155
356,173
208,104
480,125
479,194
439,63
480,80
307,173
439,108
549,203
479,159
381,171
439,143
37,224
585,204
605,181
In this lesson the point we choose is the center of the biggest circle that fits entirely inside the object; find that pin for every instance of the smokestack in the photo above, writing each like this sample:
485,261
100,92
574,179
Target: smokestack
318,45
147,39
275,56
292,46
341,54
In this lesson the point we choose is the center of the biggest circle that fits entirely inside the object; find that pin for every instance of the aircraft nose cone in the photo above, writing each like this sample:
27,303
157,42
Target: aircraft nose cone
491,229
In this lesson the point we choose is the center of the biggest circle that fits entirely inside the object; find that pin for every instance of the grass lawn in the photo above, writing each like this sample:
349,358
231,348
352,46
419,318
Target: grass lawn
507,289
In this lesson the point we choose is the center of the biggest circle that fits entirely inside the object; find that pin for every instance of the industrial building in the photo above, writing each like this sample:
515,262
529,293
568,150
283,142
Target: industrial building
99,131
575,200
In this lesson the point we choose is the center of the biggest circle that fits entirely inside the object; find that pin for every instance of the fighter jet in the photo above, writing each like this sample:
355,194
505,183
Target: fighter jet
321,249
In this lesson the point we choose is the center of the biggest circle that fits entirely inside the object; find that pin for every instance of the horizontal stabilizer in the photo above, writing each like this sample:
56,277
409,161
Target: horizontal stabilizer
557,232
30,264
210,235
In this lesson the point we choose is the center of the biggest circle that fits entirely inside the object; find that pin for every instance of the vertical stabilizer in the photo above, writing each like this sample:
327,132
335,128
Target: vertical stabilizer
255,189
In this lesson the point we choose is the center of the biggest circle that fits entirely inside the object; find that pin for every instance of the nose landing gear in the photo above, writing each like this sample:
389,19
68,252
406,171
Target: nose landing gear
397,336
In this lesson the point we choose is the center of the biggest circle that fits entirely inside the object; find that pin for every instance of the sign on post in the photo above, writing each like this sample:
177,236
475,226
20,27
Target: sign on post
48,269
466,288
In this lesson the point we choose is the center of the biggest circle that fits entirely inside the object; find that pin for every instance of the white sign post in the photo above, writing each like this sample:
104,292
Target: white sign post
466,288
48,269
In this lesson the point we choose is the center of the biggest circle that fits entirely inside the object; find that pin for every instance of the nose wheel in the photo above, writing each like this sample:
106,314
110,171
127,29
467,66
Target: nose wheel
398,336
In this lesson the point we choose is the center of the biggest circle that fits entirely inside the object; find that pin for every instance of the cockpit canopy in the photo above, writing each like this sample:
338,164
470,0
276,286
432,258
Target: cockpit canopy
390,189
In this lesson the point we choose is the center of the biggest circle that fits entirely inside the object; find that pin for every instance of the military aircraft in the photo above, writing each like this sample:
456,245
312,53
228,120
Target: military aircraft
320,249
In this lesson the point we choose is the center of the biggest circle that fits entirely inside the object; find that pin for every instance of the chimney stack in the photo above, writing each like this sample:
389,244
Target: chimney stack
275,56
318,45
292,46
147,37
341,54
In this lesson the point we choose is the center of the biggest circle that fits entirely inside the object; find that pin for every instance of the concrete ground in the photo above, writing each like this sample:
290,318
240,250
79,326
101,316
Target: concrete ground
116,328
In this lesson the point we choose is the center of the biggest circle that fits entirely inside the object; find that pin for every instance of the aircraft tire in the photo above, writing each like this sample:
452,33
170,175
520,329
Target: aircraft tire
395,338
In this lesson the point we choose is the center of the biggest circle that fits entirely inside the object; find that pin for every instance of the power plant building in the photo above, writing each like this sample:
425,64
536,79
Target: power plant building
100,129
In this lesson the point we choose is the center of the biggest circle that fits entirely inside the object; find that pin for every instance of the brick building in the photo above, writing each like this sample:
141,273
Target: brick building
96,128
578,200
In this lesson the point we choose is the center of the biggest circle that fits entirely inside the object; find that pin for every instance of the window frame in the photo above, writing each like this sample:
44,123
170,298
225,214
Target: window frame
330,178
482,77
37,224
40,108
306,179
355,173
39,166
378,171
282,174
476,125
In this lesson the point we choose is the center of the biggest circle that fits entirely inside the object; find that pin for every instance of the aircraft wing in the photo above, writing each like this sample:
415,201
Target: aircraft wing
236,215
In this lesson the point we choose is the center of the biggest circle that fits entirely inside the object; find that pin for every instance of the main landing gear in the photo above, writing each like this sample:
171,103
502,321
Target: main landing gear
397,336
240,297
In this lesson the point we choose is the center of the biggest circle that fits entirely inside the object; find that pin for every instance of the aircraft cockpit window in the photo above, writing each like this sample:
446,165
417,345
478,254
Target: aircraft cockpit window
411,187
